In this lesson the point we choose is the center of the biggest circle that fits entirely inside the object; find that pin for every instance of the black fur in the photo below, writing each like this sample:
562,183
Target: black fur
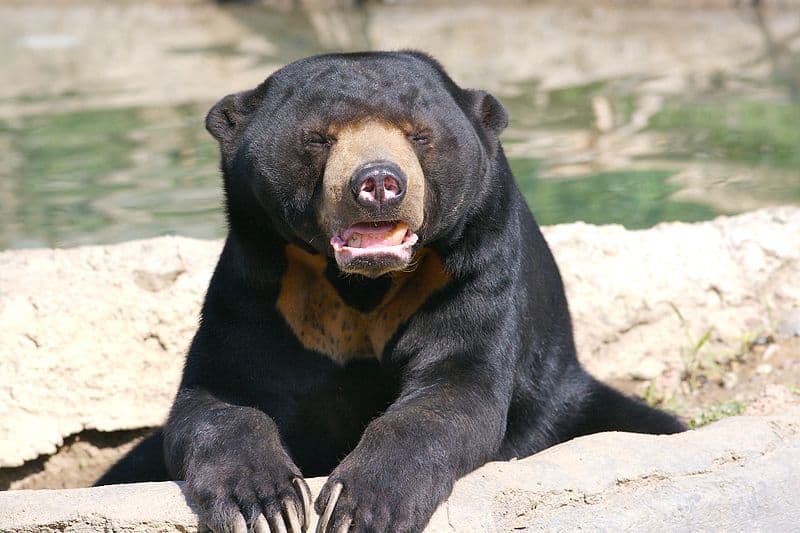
485,369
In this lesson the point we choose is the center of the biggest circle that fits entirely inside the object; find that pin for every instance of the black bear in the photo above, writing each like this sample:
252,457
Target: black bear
385,310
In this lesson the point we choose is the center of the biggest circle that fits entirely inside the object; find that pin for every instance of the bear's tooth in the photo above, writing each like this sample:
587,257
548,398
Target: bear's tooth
354,241
396,235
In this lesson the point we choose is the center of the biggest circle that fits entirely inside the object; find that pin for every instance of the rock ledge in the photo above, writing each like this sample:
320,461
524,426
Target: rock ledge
736,475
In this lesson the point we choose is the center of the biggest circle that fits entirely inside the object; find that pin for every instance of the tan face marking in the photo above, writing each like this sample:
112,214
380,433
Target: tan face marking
323,322
365,142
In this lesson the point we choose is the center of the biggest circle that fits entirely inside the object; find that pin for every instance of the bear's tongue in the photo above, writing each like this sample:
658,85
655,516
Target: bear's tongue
368,235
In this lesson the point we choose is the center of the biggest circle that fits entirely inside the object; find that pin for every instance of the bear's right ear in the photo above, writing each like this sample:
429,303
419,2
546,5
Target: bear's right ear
228,115
489,111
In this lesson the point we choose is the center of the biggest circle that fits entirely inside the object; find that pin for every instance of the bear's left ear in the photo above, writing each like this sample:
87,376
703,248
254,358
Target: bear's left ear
488,110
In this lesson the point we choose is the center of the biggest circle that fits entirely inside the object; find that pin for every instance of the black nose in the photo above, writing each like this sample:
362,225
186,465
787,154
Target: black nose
378,184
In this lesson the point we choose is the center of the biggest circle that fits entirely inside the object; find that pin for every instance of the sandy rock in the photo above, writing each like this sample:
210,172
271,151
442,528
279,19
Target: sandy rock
790,324
94,337
640,299
137,507
775,398
730,476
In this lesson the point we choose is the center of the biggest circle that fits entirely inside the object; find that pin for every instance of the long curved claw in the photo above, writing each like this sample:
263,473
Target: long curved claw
322,526
305,495
290,514
276,523
260,525
239,525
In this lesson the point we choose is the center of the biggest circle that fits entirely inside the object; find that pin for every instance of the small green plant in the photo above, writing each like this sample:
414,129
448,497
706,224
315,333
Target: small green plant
690,355
746,340
716,412
771,323
653,396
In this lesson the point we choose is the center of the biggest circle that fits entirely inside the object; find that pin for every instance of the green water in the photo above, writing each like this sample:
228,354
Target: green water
116,174
112,175
96,173
753,132
642,197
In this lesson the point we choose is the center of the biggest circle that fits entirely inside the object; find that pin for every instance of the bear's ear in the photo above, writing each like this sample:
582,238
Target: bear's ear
488,110
228,115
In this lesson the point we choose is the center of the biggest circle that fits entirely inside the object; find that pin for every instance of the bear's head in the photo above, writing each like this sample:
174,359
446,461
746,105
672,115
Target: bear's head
364,157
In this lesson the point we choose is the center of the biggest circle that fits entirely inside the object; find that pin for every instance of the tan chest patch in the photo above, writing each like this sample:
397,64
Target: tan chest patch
323,322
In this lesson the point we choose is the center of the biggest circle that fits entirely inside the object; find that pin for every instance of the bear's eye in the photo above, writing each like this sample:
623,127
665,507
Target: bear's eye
316,140
421,137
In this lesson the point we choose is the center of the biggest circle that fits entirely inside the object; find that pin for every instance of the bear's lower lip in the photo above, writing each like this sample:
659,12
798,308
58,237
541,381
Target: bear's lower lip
387,243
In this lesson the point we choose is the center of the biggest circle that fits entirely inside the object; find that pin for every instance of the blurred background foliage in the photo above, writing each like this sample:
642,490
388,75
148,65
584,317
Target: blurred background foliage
629,113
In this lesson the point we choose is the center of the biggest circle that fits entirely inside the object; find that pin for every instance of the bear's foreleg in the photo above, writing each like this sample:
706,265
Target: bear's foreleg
449,420
236,469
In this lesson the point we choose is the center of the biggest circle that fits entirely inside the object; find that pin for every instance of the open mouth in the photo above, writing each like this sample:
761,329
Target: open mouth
384,242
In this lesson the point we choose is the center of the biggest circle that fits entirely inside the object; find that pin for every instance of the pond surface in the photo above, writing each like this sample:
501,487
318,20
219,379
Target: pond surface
631,117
